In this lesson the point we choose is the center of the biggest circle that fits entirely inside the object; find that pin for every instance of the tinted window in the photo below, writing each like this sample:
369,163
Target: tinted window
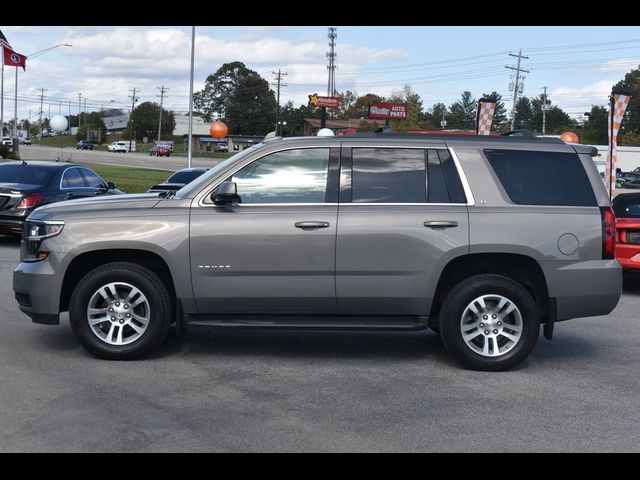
542,178
183,177
454,185
91,179
388,175
31,174
626,206
291,176
73,179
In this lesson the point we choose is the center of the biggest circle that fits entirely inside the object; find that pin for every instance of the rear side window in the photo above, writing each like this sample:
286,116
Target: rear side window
542,178
73,179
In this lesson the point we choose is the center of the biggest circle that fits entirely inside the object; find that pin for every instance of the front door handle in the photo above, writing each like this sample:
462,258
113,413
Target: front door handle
441,224
70,195
311,225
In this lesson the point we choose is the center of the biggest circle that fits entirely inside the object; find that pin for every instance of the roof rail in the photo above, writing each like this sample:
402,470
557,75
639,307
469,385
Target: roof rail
519,133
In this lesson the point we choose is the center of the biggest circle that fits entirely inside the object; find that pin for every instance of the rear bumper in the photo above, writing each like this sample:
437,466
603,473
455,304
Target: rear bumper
37,291
584,289
628,255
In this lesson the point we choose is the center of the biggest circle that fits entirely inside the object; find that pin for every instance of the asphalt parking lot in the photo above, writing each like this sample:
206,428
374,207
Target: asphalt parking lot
229,391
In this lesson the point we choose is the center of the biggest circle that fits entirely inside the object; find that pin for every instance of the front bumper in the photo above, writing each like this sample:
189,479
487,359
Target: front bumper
37,290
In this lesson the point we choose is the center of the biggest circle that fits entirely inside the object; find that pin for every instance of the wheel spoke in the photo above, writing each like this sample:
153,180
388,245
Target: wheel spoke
110,334
96,311
136,328
474,309
496,348
119,339
96,321
133,294
144,320
105,294
511,337
514,328
485,346
470,336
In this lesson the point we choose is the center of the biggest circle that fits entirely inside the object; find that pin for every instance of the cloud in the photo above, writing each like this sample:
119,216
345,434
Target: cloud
618,65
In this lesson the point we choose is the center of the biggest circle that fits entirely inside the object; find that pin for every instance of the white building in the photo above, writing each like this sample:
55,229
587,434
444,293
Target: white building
200,127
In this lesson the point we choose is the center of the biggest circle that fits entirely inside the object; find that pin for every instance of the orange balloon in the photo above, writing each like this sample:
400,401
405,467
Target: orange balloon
569,137
218,130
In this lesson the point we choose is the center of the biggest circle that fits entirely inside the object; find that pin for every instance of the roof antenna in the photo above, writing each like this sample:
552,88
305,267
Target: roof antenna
24,163
383,129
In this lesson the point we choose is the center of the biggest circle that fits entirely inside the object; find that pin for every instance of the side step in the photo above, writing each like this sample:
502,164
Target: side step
316,322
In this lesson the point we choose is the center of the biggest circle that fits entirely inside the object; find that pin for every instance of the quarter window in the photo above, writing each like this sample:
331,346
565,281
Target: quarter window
290,176
91,179
73,179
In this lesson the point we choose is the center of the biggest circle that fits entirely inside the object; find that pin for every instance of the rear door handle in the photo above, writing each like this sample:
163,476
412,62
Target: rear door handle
311,225
70,195
440,224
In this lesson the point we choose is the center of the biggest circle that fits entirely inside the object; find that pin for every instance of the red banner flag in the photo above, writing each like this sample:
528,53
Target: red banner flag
619,100
14,59
484,117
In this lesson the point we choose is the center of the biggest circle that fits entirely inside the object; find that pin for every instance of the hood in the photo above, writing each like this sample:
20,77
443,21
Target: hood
128,204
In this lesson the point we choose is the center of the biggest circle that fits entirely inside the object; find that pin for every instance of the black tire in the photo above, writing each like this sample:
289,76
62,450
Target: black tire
455,305
158,300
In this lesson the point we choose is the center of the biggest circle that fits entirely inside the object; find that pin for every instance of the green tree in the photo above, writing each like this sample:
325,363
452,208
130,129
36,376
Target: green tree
145,121
594,130
631,122
524,113
557,121
347,102
295,118
240,97
437,112
413,101
463,113
630,138
360,108
500,113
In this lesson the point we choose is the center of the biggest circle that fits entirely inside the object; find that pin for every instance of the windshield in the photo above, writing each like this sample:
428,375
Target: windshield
183,177
202,180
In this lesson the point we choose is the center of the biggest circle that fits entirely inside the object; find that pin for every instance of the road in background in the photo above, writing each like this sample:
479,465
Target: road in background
268,391
141,160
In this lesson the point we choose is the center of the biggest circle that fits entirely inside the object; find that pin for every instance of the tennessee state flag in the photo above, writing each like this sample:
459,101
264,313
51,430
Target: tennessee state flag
14,59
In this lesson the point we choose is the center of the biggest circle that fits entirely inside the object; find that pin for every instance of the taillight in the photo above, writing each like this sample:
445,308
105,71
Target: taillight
32,200
608,233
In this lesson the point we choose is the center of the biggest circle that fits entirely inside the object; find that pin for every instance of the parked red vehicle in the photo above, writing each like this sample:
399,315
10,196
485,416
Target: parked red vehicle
626,207
159,151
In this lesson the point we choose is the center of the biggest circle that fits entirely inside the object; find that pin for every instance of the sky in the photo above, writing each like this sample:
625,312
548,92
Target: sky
577,64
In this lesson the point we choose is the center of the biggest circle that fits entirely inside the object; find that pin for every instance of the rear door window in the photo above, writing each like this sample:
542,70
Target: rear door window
542,178
72,178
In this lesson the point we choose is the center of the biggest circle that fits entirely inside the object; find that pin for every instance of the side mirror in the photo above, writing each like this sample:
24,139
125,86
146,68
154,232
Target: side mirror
111,186
226,193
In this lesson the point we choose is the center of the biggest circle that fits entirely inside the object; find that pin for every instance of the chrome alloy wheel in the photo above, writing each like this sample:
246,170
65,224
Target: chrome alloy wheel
491,325
118,313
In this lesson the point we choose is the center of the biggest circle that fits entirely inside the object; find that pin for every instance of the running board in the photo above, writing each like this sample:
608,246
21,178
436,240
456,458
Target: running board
316,322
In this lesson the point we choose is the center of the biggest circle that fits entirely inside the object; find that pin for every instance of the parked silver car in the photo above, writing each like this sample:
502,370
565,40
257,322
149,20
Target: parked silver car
483,239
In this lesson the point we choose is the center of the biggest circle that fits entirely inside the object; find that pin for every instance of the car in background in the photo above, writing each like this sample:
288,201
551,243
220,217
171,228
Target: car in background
25,141
8,141
626,207
84,145
221,147
118,147
178,180
160,151
24,186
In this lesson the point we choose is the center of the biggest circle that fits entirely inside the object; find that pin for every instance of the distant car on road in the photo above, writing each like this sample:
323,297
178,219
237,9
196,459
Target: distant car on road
118,147
7,141
221,147
27,185
160,151
25,141
177,180
84,145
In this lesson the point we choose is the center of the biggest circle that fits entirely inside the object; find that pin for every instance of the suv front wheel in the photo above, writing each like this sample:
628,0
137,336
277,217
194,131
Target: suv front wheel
489,322
120,311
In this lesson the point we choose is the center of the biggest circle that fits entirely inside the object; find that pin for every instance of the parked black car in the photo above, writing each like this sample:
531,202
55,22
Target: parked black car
84,145
27,185
177,180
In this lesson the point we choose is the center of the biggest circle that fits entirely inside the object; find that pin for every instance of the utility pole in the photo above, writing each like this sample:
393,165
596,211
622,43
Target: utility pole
279,84
42,90
133,105
69,117
84,113
518,87
544,110
443,123
331,55
79,108
162,90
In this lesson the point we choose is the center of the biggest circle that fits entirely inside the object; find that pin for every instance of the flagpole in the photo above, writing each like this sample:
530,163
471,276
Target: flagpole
193,42
15,109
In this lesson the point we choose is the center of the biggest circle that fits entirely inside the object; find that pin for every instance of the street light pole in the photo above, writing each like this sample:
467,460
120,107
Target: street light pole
193,43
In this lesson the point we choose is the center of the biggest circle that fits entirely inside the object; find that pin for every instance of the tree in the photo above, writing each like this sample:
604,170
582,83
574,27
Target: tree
500,113
524,113
413,101
360,108
557,121
240,97
346,101
631,122
437,113
594,130
463,113
295,117
145,121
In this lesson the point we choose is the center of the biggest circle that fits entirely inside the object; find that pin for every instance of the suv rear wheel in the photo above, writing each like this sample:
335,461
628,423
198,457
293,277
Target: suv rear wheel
489,322
120,311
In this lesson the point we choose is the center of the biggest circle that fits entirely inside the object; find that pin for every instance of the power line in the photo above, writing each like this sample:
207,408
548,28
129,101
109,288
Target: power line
518,86
278,78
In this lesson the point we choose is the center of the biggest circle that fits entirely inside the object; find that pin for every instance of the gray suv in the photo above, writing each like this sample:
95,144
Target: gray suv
482,239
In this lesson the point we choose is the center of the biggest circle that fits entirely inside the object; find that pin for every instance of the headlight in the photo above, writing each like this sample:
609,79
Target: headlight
34,232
